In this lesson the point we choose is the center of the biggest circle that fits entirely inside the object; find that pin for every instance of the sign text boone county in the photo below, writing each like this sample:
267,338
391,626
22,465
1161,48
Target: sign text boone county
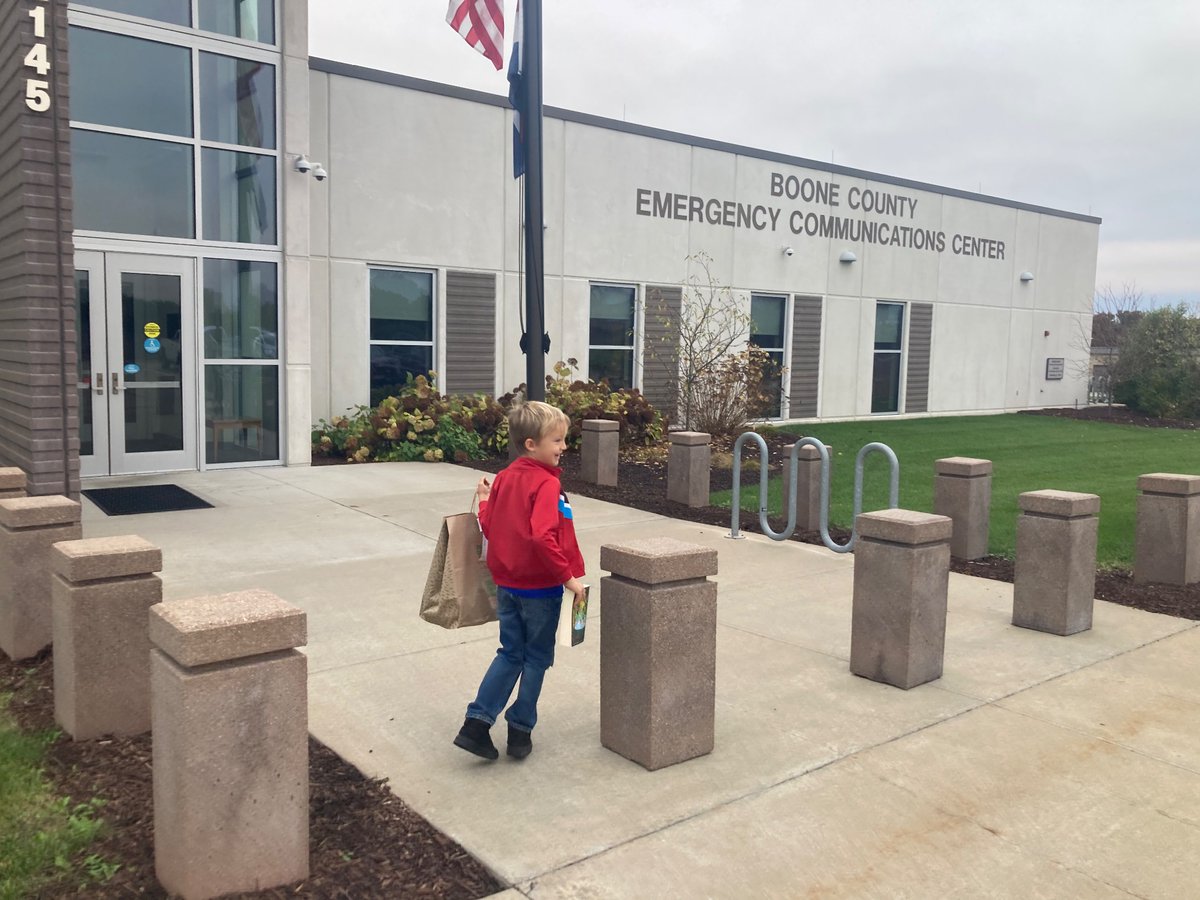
860,201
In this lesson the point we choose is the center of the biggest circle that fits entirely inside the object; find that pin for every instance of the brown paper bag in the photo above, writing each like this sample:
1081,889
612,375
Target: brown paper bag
459,590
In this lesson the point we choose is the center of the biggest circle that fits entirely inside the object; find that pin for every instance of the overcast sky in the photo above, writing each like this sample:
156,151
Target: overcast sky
1091,106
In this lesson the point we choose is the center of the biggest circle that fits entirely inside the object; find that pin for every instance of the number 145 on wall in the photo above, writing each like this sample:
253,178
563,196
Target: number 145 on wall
37,90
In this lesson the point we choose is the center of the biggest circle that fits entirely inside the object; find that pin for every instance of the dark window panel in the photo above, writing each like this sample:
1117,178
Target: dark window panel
241,310
237,101
239,197
401,305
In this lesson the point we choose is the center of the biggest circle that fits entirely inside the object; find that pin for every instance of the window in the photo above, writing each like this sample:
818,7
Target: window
237,101
241,369
135,149
250,20
768,315
132,185
402,328
173,12
611,332
889,337
151,89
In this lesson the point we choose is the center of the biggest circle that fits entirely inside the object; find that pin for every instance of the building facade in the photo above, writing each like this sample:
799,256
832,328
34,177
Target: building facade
213,241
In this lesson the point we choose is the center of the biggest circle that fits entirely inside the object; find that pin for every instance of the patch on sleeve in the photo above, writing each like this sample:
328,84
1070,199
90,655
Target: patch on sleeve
564,507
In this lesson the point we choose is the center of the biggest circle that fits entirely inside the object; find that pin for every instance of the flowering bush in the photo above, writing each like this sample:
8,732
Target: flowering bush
418,423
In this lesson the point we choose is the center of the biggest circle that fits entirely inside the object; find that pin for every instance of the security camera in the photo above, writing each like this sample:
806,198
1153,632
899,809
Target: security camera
788,251
319,172
303,166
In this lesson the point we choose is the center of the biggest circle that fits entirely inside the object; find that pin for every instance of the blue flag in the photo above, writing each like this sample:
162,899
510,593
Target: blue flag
515,92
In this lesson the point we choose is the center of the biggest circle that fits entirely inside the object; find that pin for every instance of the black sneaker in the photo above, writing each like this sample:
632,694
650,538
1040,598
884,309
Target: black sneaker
520,743
474,738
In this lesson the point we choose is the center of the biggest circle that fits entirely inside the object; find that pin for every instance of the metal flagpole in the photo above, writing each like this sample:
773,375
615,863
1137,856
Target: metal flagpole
536,341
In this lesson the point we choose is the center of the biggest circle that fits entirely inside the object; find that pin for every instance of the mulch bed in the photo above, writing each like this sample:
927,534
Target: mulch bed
365,842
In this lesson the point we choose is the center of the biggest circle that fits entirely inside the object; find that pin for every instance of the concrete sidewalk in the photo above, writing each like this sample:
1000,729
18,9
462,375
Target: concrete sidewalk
1038,766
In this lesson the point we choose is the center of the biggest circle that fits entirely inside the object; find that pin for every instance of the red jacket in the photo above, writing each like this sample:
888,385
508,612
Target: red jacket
528,523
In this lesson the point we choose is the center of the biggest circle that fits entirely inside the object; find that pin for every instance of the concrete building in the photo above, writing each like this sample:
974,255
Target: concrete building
234,240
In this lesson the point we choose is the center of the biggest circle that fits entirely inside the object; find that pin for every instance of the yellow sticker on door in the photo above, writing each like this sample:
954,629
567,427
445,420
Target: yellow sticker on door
152,330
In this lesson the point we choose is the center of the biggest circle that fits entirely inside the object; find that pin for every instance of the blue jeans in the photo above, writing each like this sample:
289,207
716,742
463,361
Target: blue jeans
527,627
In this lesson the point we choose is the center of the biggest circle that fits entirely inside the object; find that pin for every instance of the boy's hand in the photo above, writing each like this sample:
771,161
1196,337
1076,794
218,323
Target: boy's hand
483,489
576,587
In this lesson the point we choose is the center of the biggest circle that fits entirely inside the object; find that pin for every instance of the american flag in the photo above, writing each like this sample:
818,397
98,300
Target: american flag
481,23
516,67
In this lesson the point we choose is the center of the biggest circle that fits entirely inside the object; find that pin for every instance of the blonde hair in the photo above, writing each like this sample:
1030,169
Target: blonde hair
534,419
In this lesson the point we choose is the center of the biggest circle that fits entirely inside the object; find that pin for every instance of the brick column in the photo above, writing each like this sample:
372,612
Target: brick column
1167,543
901,574
601,438
808,485
689,467
102,589
12,483
1055,580
29,526
230,714
658,651
962,490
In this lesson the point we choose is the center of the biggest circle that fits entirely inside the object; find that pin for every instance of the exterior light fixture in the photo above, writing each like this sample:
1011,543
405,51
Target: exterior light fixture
1027,276
848,256
788,251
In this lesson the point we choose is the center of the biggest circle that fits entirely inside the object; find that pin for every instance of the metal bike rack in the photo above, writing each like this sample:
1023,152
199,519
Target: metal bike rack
794,463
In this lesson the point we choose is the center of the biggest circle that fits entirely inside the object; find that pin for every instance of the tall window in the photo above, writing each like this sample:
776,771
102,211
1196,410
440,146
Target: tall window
768,317
889,338
611,333
142,128
241,361
250,20
402,320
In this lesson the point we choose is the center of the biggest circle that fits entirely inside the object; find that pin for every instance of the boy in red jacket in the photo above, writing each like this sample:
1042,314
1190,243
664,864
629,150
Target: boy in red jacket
532,555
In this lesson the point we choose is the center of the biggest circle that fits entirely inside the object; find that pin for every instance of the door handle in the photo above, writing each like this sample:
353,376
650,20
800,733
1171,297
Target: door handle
116,385
100,383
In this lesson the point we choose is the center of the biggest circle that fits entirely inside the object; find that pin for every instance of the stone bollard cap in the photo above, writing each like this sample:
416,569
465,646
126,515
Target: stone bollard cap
1061,504
904,526
12,479
35,512
808,451
658,560
600,425
689,438
962,466
109,557
1166,483
214,629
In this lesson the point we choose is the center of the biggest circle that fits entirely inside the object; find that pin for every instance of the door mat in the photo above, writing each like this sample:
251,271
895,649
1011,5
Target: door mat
148,498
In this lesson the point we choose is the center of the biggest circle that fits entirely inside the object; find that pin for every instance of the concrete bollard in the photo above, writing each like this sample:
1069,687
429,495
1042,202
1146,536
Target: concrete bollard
808,485
1167,544
230,713
962,491
901,575
101,591
1055,581
29,526
601,439
689,467
12,483
658,651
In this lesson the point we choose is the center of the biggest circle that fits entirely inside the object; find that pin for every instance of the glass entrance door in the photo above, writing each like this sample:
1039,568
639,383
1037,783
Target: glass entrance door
137,363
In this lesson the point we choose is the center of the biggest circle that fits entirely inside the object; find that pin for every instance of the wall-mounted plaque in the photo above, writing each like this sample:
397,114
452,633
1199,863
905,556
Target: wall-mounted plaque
1054,368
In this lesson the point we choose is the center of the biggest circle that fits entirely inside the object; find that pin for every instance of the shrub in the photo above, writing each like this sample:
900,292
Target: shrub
418,423
737,389
640,422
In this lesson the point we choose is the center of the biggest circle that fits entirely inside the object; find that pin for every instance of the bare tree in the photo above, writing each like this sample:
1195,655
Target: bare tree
708,324
1114,313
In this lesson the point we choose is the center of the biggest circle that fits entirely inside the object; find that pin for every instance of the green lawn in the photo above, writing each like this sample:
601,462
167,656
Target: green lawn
1029,452
41,836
